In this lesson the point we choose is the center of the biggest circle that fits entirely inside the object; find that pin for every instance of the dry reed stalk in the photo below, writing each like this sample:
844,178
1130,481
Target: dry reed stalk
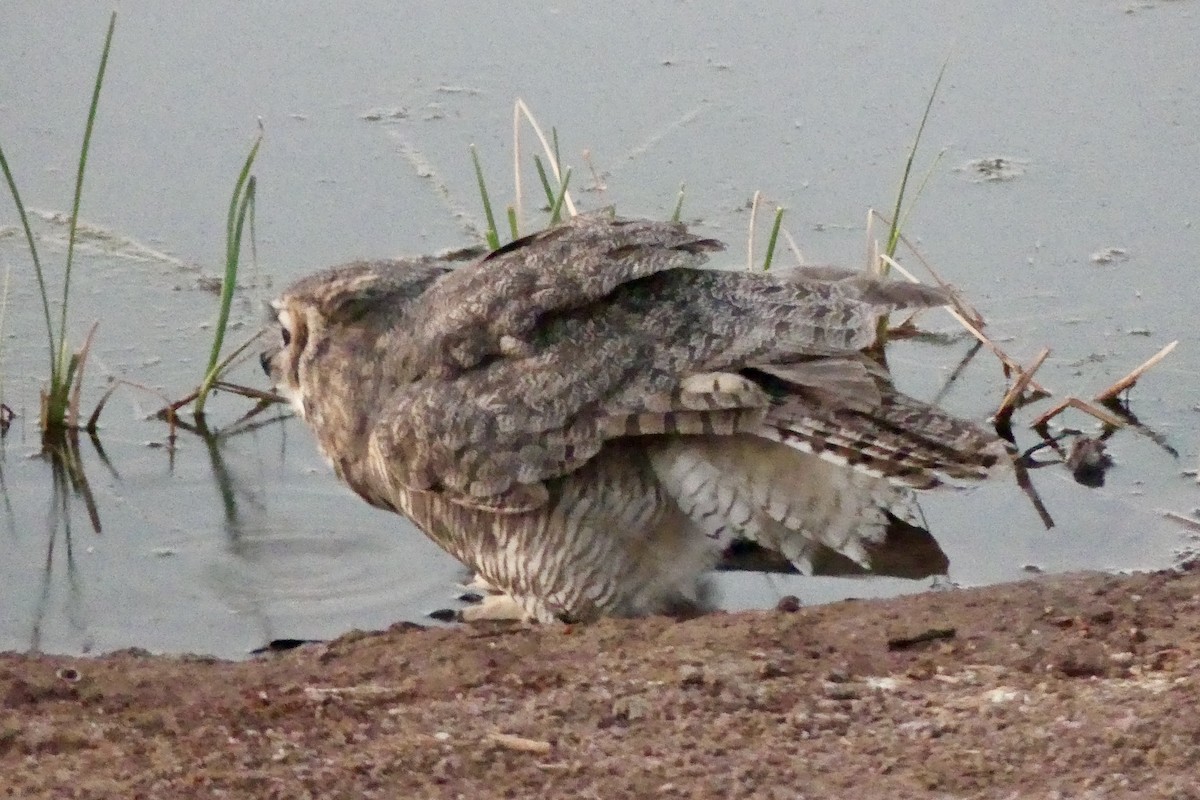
1132,378
1009,403
1107,395
519,110
1108,418
1012,367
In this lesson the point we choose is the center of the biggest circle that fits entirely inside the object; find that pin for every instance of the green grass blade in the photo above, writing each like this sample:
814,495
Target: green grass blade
512,223
541,171
920,191
241,205
253,228
556,209
3,317
493,237
774,238
37,263
83,156
229,280
227,286
894,234
231,248
678,205
228,360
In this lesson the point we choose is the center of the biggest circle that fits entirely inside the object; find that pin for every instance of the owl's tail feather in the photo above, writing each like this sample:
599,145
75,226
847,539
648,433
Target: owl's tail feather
864,423
804,507
906,551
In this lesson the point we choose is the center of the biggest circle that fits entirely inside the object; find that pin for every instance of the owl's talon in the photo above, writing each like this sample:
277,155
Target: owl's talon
446,615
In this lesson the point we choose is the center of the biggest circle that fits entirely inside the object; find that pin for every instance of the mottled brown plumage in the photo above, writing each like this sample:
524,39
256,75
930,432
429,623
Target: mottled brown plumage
588,419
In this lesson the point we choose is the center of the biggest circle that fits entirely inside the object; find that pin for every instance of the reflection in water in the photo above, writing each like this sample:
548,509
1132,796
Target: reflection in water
71,492
225,481
241,590
1086,456
69,484
10,519
194,558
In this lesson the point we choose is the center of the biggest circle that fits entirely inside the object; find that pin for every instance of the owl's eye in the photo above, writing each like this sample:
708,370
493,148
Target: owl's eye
287,336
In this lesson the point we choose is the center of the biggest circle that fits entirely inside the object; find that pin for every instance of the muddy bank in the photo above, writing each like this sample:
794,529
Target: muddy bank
1076,686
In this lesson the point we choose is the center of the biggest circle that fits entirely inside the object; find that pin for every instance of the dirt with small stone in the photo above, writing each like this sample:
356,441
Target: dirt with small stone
1071,686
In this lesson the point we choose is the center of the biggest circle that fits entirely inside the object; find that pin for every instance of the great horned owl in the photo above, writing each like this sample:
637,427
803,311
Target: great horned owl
588,419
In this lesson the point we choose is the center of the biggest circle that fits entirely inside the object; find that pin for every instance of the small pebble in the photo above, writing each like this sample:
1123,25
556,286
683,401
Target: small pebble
789,604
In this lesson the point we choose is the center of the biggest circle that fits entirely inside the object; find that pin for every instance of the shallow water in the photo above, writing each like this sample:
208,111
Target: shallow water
368,114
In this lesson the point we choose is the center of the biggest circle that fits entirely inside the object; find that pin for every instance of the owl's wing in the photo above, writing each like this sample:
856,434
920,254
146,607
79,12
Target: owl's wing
497,304
842,482
681,351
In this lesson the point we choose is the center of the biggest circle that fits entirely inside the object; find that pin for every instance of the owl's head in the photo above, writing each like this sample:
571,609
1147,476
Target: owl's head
330,322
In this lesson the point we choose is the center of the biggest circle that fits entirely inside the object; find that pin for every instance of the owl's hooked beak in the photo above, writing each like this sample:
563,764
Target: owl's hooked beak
266,357
269,361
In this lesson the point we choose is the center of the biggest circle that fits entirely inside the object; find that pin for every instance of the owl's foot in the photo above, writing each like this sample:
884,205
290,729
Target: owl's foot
495,608
492,607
